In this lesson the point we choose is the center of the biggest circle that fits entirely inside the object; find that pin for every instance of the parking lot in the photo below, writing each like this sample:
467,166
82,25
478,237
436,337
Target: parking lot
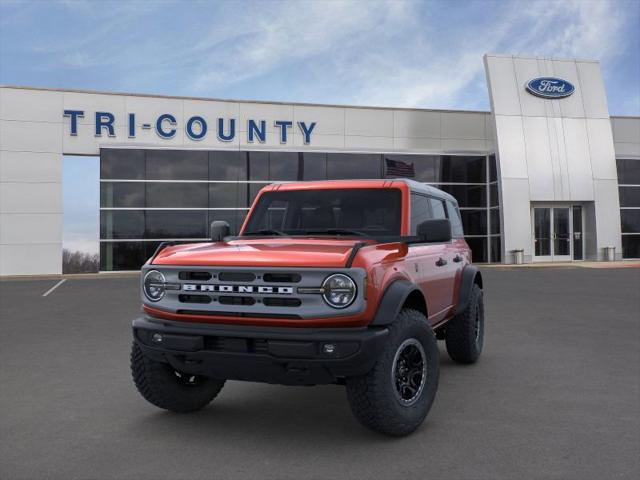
556,394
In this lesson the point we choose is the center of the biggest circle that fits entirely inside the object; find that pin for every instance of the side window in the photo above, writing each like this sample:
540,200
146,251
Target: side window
420,211
437,208
456,221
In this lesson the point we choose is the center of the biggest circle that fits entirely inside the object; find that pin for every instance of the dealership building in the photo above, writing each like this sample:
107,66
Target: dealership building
546,175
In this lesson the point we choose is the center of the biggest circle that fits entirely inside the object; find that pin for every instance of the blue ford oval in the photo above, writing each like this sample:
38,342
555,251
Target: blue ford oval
550,87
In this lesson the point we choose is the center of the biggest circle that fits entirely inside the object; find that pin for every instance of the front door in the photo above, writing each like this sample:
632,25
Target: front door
557,233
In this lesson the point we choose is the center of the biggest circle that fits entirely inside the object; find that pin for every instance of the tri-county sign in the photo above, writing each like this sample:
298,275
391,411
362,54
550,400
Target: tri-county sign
196,127
550,87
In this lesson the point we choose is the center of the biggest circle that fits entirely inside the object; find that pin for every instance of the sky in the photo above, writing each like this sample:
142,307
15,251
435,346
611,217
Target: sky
380,53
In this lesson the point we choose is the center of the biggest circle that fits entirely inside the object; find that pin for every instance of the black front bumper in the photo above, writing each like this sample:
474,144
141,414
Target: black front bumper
289,356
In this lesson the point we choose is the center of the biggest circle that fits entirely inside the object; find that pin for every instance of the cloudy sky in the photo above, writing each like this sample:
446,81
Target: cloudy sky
391,53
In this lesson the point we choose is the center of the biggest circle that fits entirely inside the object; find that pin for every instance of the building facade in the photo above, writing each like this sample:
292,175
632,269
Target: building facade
546,172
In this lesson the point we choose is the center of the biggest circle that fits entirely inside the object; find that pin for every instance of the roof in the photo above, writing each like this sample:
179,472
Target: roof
361,183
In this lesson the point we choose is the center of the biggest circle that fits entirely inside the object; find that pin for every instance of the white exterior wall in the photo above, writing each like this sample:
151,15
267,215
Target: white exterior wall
34,135
553,150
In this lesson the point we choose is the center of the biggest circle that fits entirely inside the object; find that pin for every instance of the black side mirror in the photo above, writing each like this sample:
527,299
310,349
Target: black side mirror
435,231
219,230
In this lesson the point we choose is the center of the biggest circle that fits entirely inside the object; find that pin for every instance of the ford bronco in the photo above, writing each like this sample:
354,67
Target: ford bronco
349,282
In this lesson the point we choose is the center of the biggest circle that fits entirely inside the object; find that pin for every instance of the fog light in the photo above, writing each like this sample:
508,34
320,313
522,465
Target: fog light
329,348
156,338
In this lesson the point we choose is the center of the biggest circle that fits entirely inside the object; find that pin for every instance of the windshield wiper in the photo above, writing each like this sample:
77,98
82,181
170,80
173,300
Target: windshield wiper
266,232
337,231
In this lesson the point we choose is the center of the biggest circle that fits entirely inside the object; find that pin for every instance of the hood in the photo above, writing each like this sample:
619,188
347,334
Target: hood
274,252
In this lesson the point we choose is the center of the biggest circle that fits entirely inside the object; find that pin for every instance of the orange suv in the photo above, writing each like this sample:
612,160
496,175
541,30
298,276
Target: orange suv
347,282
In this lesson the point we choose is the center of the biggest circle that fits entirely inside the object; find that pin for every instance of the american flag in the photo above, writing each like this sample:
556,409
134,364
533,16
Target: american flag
398,168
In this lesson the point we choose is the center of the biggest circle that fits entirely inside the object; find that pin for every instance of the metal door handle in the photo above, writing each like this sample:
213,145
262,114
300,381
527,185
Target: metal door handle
457,258
441,262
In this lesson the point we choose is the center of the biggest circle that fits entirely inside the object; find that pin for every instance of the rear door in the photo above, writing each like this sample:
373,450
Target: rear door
433,273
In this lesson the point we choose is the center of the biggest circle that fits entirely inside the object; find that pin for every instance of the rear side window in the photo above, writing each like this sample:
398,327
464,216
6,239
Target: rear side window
420,211
437,208
456,221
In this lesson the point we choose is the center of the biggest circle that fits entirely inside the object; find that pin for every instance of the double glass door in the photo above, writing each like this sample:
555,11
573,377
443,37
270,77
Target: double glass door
557,233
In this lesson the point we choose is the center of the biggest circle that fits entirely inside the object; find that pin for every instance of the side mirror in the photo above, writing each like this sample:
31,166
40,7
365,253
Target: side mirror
219,230
435,231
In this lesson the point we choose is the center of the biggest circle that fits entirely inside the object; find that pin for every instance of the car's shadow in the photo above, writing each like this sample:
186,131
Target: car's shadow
271,413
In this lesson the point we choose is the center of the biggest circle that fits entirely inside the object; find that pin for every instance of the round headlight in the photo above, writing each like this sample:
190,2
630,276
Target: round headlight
339,291
154,285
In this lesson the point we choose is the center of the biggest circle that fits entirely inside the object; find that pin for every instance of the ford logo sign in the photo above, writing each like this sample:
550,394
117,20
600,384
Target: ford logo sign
550,87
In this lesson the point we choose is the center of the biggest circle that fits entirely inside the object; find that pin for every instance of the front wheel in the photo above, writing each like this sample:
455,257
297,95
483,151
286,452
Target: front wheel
395,396
165,387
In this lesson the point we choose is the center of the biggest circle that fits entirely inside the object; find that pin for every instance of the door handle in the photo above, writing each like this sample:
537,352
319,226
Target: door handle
457,258
441,262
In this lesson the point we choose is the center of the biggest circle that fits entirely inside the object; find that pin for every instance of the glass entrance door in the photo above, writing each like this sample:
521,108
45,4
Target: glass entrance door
557,233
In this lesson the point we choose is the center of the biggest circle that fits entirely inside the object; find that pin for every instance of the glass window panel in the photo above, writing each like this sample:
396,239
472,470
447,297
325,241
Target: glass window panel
467,195
423,168
177,195
121,224
119,195
493,169
456,221
123,255
631,246
629,196
420,211
227,165
437,208
474,221
177,165
234,218
494,218
176,224
628,171
478,246
494,199
284,166
254,189
353,165
496,252
123,164
258,165
314,166
228,195
462,169
542,231
630,221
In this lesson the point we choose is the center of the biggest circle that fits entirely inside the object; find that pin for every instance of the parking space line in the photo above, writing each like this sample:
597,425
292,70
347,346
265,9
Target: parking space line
54,287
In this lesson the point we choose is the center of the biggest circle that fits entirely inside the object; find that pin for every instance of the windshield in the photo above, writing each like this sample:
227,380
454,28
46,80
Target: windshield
359,212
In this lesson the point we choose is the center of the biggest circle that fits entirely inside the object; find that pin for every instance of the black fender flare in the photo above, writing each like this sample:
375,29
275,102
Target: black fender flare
470,276
392,301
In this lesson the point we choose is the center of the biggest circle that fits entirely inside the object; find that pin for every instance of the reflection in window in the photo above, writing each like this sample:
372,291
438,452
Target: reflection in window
467,195
628,171
122,195
420,211
228,195
284,166
353,165
228,165
177,165
123,164
121,224
176,224
630,221
631,246
478,247
177,195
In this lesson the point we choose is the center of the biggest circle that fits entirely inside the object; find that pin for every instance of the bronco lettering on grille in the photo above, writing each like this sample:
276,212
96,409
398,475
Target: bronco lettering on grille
192,287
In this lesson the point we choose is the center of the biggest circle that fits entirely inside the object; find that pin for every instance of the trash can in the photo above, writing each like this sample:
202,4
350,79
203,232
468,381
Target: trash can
518,257
610,253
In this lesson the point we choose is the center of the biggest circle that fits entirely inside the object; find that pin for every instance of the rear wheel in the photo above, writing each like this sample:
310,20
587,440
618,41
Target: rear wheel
465,333
395,396
163,386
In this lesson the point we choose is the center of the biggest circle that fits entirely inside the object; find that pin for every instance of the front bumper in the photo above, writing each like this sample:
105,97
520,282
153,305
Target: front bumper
289,356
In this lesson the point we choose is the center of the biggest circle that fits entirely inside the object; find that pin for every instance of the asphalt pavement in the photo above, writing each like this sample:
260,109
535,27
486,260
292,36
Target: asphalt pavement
555,395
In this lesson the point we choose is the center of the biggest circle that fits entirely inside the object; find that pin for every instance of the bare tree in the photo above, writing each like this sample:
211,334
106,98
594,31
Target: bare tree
79,262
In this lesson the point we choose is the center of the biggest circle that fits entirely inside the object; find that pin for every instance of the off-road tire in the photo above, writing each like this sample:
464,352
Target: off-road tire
160,385
464,342
373,396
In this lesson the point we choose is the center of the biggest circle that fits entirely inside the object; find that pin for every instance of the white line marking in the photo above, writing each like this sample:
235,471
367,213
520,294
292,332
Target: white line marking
54,287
